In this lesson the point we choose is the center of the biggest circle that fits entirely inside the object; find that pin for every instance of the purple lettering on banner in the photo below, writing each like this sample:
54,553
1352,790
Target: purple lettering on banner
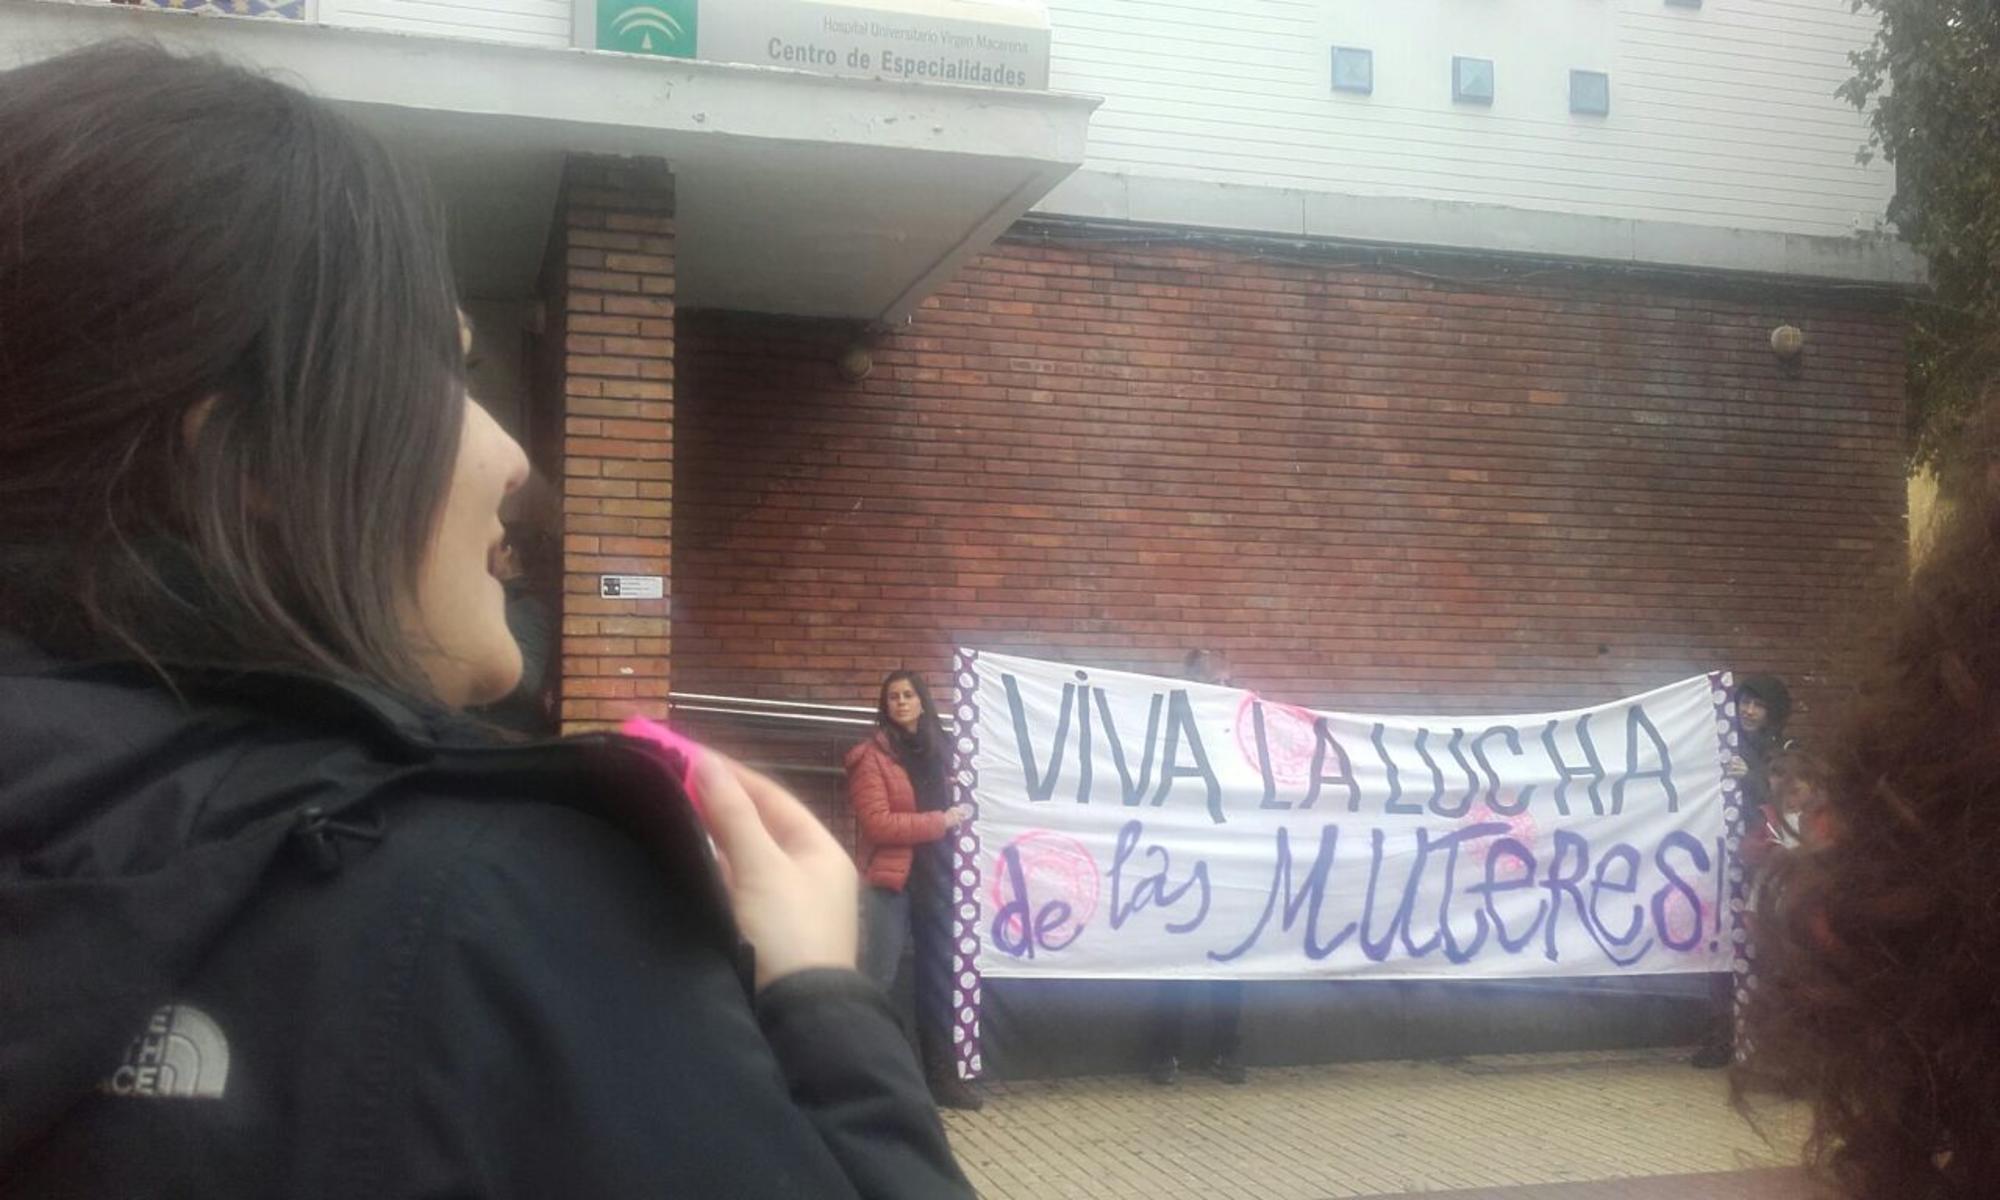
1182,731
1309,896
1392,803
1152,891
1454,747
1271,800
1663,770
1131,792
1619,853
1593,771
1493,886
1050,863
1437,776
1567,843
1085,749
1323,742
1014,914
1276,738
1450,844
1559,885
1676,885
1053,916
1513,741
1377,949
1406,916
1040,786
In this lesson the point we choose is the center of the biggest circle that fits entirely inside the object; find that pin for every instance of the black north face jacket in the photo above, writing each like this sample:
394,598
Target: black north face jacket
276,937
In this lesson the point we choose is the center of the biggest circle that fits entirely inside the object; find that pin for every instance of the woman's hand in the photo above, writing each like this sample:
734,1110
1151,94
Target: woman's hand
1737,768
956,815
794,890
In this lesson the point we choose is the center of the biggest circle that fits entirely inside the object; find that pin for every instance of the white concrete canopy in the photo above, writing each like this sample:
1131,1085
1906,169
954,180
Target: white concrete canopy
797,193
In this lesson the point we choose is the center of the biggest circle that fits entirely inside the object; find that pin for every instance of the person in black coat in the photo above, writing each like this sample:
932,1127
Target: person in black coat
275,918
1763,705
521,564
1167,1039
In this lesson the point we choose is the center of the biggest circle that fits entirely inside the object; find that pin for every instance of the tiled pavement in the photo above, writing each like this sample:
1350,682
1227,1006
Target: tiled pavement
1627,1125
1772,1184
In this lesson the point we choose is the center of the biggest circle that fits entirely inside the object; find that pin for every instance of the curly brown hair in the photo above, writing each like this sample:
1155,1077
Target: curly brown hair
1877,996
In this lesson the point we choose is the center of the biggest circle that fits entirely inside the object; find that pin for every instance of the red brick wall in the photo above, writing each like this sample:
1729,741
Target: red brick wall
1376,488
615,299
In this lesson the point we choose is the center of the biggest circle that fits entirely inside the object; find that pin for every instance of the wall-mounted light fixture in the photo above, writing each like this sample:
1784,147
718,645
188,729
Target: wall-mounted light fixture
1788,342
855,363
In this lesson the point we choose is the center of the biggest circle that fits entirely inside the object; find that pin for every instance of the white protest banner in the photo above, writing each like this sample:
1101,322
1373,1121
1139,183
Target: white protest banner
1135,827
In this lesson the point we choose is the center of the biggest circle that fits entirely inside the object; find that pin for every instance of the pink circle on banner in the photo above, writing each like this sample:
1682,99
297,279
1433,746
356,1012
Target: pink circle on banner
1683,918
1288,736
1520,827
1053,867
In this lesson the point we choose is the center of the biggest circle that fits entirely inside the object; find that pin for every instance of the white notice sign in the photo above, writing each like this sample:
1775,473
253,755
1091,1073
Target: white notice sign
631,587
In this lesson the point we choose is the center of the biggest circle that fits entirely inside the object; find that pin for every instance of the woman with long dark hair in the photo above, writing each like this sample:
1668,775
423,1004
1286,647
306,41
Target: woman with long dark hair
1877,996
276,919
899,783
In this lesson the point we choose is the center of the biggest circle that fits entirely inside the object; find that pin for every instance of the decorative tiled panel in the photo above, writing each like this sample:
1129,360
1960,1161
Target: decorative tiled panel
284,10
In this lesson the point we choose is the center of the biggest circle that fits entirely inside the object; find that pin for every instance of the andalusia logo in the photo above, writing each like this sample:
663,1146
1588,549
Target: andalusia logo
648,26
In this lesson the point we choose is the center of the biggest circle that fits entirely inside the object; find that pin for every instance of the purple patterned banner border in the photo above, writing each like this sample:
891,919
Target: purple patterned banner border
965,870
1729,739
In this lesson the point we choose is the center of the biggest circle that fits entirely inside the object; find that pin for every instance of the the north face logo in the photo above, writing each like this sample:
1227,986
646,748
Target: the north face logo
182,1054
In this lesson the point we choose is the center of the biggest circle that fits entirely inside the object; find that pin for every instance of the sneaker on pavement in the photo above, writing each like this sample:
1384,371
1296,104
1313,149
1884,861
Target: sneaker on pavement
955,1093
1711,1058
1229,1068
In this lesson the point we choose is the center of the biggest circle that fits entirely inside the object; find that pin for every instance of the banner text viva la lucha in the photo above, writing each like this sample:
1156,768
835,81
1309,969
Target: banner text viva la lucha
1139,827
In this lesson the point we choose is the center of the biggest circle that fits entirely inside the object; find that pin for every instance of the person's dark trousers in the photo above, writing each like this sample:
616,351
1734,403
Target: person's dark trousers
1718,1049
931,938
1225,1028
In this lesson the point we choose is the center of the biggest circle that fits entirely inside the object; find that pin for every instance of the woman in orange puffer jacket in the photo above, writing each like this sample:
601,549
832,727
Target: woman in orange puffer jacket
898,782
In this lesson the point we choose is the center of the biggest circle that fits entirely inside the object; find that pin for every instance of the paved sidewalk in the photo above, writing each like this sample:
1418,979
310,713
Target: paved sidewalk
1482,1128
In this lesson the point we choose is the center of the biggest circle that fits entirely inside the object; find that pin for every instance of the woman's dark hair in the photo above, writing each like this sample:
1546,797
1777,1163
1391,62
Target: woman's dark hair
929,728
1877,994
1777,699
230,374
1199,663
925,752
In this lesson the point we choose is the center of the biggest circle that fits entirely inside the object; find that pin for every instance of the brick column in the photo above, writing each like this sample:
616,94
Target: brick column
613,270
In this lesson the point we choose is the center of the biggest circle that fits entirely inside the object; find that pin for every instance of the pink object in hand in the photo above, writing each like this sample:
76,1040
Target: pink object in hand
646,729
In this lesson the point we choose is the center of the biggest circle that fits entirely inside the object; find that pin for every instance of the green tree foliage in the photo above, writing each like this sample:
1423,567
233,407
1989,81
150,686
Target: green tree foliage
1930,83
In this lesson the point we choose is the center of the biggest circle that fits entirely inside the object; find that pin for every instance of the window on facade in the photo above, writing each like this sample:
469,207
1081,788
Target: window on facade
1472,80
1590,93
1353,70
